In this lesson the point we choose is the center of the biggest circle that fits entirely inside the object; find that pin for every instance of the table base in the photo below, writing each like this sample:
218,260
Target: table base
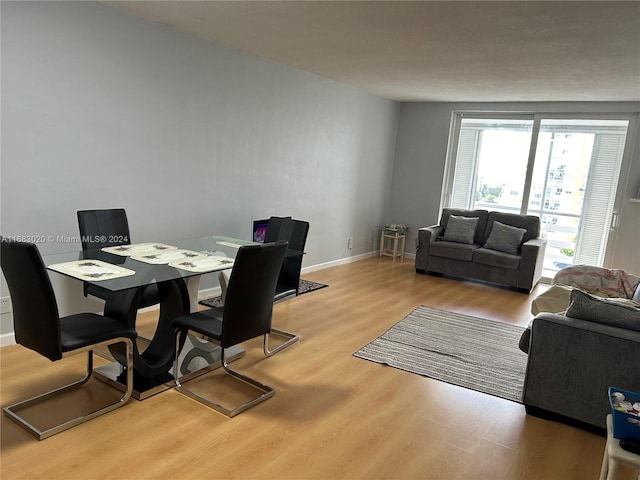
196,358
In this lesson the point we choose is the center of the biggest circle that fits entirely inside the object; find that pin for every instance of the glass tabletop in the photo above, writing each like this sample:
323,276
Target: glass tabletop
118,269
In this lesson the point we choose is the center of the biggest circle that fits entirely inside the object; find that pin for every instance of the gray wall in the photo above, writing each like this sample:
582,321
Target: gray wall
101,109
423,135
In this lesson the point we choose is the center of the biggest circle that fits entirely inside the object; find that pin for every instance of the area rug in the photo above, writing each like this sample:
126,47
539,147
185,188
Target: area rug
471,352
306,286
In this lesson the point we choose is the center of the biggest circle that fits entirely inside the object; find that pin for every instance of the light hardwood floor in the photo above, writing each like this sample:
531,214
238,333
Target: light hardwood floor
333,416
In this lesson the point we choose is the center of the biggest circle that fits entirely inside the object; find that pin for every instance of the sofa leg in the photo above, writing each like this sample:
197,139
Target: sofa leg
556,417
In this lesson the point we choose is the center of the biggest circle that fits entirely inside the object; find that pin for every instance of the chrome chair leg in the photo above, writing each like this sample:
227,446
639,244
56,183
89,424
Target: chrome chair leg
292,338
267,391
12,410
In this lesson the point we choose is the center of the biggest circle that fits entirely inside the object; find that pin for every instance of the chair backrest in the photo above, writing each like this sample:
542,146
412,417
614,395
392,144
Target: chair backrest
278,228
295,232
298,238
36,321
103,228
248,304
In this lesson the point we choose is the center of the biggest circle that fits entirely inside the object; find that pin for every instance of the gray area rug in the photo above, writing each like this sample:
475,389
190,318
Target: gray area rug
471,352
306,286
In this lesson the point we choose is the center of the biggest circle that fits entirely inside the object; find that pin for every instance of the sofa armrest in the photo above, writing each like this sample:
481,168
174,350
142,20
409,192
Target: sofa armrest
531,262
572,363
426,236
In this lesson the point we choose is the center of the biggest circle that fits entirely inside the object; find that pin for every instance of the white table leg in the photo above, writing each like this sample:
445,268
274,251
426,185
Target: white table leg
223,279
192,287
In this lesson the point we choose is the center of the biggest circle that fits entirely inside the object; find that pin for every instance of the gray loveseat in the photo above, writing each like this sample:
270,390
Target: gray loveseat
496,247
574,358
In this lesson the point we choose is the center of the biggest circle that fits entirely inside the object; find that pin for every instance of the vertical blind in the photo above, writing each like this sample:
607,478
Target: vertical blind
599,198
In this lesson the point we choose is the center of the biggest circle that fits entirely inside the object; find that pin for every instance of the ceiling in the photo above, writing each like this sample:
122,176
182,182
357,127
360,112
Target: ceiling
432,50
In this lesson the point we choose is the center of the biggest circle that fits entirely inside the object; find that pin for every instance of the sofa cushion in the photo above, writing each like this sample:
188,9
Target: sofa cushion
505,238
605,311
454,250
460,229
530,223
494,258
481,215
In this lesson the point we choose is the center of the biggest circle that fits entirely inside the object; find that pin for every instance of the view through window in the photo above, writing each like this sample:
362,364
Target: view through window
564,170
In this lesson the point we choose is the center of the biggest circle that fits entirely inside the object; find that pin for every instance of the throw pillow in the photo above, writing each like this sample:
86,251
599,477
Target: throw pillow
605,311
460,229
505,238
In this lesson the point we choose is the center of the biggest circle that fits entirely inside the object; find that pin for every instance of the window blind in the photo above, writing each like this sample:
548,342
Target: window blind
464,182
599,199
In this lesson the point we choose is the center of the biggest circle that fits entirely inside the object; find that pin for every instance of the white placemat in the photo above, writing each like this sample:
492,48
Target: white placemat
167,256
138,249
206,264
91,270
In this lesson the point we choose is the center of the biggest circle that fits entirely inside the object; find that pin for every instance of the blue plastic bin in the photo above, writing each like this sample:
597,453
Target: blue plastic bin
626,426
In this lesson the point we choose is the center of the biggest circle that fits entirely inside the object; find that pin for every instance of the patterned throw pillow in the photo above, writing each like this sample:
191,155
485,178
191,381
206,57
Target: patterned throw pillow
460,229
505,238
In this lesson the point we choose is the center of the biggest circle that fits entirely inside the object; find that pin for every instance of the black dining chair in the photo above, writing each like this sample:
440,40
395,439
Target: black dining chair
38,326
246,314
109,228
295,233
288,286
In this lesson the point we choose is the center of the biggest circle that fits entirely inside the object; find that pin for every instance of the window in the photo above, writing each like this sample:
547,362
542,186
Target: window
564,169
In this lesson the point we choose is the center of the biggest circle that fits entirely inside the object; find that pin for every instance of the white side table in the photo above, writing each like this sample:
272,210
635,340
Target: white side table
614,455
392,244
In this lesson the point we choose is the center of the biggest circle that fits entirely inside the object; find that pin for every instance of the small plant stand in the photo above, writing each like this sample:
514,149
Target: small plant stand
392,244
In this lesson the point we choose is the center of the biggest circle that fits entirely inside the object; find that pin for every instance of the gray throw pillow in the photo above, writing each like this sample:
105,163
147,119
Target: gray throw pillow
460,229
505,238
600,310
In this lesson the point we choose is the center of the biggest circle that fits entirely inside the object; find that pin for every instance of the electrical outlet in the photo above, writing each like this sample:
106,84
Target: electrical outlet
5,305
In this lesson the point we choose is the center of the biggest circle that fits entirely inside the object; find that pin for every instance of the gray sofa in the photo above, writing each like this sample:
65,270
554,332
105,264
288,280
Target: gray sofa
574,358
496,247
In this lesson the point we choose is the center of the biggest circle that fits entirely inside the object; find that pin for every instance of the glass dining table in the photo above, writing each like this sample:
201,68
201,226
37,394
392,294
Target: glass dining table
176,268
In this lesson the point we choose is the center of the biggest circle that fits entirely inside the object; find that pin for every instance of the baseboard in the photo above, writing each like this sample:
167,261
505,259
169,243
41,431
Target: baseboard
335,263
343,261
7,339
209,292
